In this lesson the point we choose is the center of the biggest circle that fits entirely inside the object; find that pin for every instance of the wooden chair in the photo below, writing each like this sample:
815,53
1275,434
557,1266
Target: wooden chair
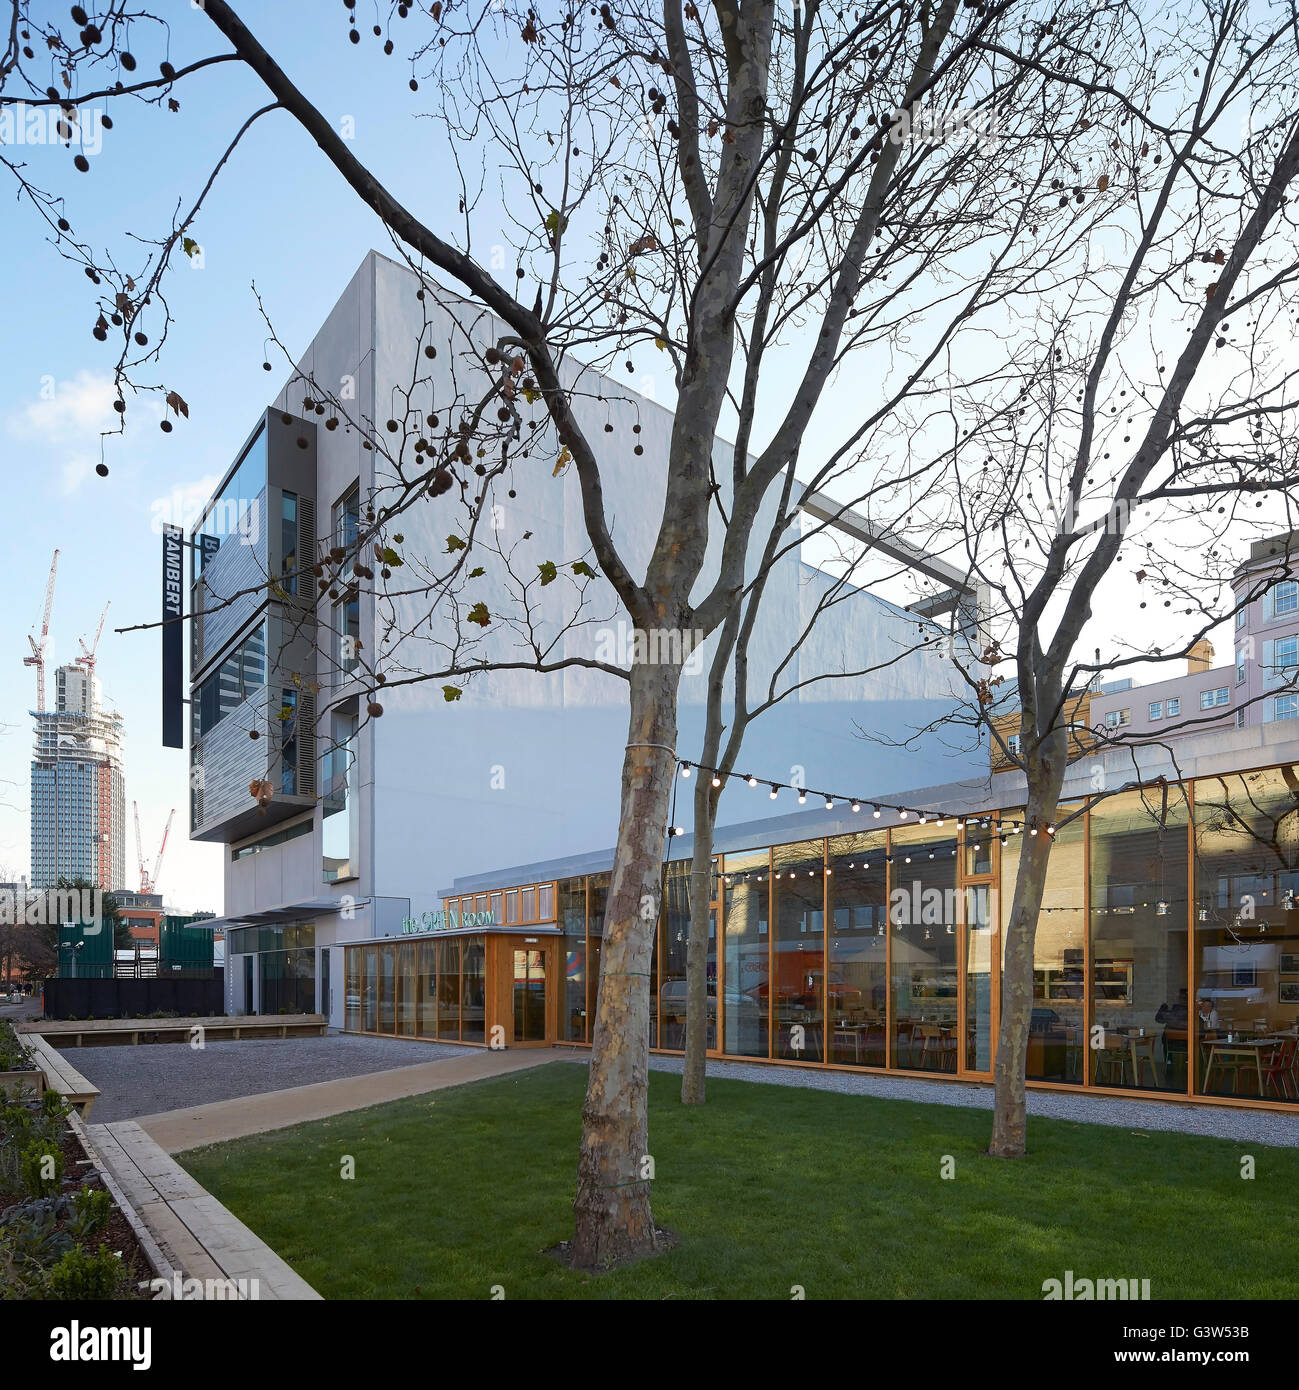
1278,1068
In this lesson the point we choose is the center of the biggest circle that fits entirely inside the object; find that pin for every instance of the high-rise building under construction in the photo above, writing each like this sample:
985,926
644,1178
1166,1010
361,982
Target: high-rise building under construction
78,789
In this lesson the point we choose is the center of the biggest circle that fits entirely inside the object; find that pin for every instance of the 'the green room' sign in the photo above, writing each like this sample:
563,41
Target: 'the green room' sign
450,920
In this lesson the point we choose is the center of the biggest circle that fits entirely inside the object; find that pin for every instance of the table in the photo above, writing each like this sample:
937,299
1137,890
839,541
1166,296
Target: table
1238,1056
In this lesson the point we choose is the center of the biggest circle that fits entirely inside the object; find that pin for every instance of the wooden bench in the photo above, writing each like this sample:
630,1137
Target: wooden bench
60,1075
76,1032
199,1237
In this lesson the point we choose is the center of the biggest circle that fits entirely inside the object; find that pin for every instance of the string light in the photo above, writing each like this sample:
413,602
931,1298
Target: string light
939,818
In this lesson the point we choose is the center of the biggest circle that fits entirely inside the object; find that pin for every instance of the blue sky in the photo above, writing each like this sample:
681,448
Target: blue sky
280,216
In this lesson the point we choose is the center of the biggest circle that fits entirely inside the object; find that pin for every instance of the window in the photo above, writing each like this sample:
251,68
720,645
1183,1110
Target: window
1285,657
1242,617
1013,743
288,720
1172,707
237,511
347,517
237,677
1156,710
347,629
1240,667
1210,699
289,542
1286,597
1116,718
1286,707
340,826
1241,718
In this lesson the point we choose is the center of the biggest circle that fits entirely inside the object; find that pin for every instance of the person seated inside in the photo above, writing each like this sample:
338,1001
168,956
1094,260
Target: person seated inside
1174,1015
1206,1015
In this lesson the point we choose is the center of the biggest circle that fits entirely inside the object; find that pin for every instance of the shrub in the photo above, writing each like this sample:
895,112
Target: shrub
81,1276
91,1208
41,1167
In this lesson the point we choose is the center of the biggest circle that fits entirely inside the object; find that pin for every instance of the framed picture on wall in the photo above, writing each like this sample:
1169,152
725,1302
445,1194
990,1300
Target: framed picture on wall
1244,976
1290,962
1287,991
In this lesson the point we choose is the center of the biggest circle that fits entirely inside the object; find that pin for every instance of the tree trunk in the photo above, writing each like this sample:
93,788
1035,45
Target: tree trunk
695,1067
613,1220
1008,1116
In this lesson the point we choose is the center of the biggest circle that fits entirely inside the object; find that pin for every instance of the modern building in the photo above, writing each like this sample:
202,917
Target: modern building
340,827
77,786
862,927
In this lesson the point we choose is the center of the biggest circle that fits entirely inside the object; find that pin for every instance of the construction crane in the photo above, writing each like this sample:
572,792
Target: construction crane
148,881
37,657
87,657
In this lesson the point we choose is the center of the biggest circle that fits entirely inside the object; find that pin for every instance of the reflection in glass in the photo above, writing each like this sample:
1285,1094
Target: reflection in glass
426,984
1245,1020
406,989
980,933
449,988
922,921
572,918
1139,853
858,984
1057,1035
798,981
597,900
352,991
746,966
387,981
370,991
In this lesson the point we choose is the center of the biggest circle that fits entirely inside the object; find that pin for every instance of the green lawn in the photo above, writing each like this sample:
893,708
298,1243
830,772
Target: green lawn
768,1187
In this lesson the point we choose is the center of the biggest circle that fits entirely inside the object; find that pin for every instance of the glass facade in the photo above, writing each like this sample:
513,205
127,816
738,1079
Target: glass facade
1166,956
434,990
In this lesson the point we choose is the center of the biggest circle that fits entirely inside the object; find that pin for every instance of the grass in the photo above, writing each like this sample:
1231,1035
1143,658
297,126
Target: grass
768,1187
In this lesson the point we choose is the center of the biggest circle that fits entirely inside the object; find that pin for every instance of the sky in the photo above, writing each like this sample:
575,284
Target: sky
279,216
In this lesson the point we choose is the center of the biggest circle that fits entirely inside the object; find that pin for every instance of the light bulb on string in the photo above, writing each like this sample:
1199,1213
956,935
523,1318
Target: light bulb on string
875,811
773,791
856,805
685,769
752,781
802,797
717,781
829,803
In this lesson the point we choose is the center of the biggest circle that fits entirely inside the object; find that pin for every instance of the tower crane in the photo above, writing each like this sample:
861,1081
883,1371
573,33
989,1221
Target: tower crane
148,881
37,657
87,657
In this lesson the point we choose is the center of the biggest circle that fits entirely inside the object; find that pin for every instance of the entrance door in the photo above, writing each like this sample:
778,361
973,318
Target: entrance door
529,977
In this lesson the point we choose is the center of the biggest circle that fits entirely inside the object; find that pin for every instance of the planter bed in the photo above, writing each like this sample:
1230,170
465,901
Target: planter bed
41,1245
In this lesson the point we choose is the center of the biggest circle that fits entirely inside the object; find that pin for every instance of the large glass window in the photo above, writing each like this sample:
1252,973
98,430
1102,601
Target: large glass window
289,543
1139,856
923,920
426,1025
798,950
572,918
473,990
352,991
597,901
672,968
858,984
449,988
1057,1035
340,824
238,676
406,989
387,986
237,511
746,964
1245,1020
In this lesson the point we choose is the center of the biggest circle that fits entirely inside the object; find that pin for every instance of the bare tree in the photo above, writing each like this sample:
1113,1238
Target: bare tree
778,190
1145,429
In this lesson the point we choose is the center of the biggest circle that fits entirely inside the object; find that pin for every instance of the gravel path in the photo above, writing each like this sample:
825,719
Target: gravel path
154,1077
1222,1122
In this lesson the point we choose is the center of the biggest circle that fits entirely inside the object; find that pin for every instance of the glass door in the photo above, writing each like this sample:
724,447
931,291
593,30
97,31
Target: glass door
530,996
